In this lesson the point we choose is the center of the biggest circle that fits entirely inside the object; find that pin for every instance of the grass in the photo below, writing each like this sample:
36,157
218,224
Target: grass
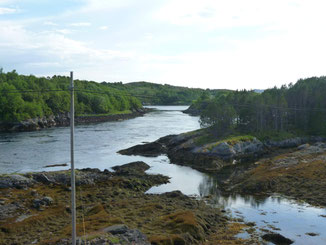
105,114
208,136
276,135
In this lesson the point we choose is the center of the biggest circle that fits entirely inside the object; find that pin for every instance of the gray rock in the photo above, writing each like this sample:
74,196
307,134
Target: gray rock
15,181
131,168
288,143
304,146
116,229
8,210
223,149
45,201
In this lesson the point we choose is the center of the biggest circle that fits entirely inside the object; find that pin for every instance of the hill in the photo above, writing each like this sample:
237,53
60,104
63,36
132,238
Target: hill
158,94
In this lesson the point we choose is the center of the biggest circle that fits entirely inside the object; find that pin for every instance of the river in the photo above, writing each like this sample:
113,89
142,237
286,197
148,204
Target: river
96,146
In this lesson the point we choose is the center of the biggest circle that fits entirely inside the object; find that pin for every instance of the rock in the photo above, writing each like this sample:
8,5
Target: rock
134,237
45,201
41,177
175,194
224,150
131,168
126,235
87,176
277,239
288,143
312,234
151,149
15,181
116,229
8,210
304,146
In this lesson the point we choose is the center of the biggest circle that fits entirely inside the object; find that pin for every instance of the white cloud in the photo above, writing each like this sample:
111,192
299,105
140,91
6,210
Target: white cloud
213,14
100,5
80,24
7,10
51,50
64,31
103,28
49,23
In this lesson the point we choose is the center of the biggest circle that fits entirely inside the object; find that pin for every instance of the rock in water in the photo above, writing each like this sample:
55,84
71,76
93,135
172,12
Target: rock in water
277,239
131,168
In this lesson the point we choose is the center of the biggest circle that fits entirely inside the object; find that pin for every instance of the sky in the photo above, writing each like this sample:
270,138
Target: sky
232,44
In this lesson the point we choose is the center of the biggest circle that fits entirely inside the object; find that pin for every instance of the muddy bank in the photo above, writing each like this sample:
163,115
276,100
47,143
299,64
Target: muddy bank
63,119
112,208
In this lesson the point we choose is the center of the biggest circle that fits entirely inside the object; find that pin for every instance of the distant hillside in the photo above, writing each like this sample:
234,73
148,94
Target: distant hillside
158,94
259,91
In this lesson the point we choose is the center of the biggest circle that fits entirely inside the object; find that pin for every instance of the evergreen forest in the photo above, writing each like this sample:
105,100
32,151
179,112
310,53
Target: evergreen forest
298,108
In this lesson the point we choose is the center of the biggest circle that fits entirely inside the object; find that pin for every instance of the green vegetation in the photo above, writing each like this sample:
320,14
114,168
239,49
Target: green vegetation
276,113
157,94
16,104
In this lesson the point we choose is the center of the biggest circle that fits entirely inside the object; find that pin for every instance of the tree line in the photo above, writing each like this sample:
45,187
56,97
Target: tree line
159,94
299,107
23,97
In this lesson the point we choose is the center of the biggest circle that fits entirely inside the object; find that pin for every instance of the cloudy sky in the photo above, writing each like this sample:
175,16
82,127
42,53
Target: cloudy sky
231,44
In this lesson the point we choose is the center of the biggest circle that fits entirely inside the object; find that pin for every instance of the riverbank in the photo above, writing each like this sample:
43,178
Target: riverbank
63,120
112,207
244,164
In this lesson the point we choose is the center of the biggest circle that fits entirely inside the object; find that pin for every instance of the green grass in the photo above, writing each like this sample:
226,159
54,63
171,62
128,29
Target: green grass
208,137
105,114
276,135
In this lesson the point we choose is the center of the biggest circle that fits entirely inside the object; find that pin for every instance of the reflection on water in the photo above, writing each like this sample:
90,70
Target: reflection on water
277,214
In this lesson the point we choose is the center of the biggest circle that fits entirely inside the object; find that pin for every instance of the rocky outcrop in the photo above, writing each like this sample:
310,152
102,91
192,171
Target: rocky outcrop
63,119
112,235
299,173
15,181
183,149
115,210
87,176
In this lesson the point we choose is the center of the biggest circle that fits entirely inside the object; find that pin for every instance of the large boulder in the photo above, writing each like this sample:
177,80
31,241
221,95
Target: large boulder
131,168
223,150
15,181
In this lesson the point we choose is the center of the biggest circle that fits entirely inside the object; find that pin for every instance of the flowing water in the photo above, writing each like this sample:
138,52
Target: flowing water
96,146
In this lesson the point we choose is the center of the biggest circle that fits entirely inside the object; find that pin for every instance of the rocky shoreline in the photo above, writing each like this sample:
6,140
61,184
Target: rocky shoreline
63,120
112,208
250,166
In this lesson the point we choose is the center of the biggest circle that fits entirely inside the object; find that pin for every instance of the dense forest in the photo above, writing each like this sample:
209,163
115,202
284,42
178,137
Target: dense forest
299,107
23,97
158,94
